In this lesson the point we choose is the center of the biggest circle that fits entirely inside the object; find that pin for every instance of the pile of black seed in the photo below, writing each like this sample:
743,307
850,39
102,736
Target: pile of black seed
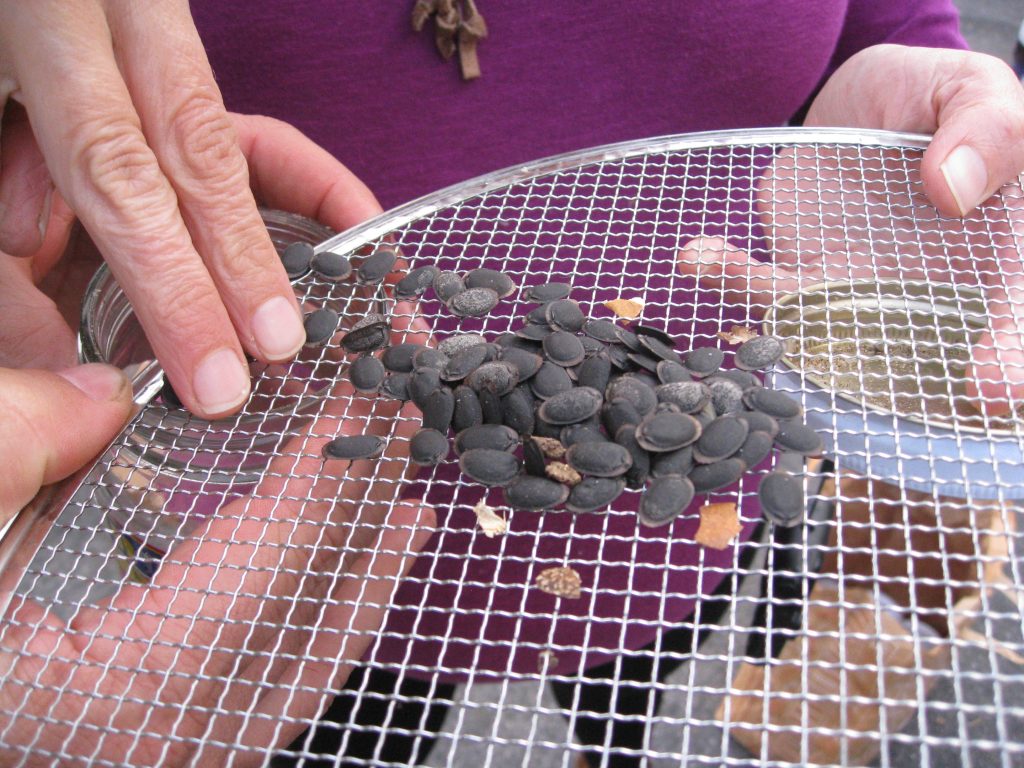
570,410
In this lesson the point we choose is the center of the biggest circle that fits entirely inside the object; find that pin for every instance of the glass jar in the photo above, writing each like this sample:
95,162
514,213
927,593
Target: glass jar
173,470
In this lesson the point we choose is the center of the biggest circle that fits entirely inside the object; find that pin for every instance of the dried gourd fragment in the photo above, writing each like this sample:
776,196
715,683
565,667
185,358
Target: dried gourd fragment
560,582
719,525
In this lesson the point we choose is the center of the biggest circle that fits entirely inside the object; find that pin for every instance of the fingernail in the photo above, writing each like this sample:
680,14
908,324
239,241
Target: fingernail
100,382
966,177
221,382
277,329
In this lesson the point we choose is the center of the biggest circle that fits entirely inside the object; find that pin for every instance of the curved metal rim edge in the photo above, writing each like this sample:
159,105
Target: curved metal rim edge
428,204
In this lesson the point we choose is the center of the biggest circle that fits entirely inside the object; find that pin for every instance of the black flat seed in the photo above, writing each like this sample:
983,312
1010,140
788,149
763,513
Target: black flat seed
706,415
535,493
760,422
352,447
168,396
542,429
782,499
726,395
704,361
659,349
398,358
572,406
372,320
296,258
646,362
743,378
550,380
451,346
429,357
618,413
798,437
506,340
447,285
499,377
564,349
635,390
594,372
321,325
422,383
490,406
534,332
669,372
416,282
366,374
565,315
493,352
473,302
332,267
661,432
720,439
488,466
548,292
594,493
678,462
396,386
517,411
756,448
712,477
602,330
591,346
601,459
533,459
665,499
655,333
776,404
464,362
538,315
496,437
759,353
526,363
619,356
648,378
628,339
668,408
468,412
365,339
377,266
636,475
497,281
438,408
428,447
579,433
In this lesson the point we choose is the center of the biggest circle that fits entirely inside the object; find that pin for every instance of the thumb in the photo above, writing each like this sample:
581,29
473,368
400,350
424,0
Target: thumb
979,142
53,423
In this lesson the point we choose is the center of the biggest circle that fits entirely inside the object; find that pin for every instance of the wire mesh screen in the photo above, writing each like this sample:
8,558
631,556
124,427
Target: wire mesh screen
210,587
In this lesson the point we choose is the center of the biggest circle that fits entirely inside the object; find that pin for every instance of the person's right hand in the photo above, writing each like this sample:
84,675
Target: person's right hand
113,109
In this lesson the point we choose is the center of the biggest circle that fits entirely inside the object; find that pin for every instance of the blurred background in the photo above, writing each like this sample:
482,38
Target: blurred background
991,26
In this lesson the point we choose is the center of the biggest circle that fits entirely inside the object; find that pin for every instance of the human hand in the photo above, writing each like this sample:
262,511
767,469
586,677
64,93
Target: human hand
247,625
836,214
122,120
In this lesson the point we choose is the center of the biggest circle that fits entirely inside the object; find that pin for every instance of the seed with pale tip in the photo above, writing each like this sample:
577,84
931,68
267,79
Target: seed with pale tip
352,447
428,447
664,500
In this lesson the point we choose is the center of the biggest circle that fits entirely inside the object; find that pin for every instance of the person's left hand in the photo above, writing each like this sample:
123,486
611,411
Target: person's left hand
286,171
829,215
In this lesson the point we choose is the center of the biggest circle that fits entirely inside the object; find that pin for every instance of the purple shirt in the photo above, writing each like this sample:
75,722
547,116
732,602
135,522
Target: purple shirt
556,77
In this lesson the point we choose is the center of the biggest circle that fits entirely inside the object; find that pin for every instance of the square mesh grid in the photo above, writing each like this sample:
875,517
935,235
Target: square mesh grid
195,600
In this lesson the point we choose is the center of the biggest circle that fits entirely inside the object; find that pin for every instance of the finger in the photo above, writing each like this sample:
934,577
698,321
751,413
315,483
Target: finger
25,187
345,624
88,131
740,279
33,333
51,424
292,173
184,121
979,142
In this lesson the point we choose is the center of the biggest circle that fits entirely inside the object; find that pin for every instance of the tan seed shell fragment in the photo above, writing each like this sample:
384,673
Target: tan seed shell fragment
737,334
628,308
560,582
490,522
719,525
546,661
551,447
563,473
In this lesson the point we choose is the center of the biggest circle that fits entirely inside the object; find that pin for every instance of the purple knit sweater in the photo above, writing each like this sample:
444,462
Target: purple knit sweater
557,76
